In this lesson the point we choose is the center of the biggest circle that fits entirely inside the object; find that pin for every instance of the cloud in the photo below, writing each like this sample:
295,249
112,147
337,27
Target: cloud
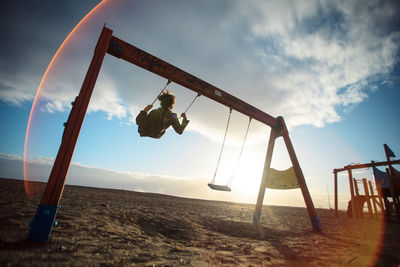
34,32
329,53
15,89
105,98
277,17
305,60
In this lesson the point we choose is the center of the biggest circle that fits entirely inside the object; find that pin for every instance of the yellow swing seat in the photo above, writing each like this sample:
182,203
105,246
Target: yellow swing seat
282,179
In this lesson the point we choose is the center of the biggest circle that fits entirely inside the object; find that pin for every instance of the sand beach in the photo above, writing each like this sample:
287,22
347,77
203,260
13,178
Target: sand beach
125,228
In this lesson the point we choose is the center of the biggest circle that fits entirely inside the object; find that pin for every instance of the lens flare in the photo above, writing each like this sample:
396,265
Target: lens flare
377,238
28,190
379,242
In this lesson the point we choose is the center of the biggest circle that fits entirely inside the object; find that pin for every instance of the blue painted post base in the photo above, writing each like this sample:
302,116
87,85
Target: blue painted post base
256,216
42,223
316,223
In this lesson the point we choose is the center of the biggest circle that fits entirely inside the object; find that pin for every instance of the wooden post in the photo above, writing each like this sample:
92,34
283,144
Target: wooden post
373,197
392,193
275,132
44,220
336,192
368,197
353,199
358,200
390,178
315,221
379,190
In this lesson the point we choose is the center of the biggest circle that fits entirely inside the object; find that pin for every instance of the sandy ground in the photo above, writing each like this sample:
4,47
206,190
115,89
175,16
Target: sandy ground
124,228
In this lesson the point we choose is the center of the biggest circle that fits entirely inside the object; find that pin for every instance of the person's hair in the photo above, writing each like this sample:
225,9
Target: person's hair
167,100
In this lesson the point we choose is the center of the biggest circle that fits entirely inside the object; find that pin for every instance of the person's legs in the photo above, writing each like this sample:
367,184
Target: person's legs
141,122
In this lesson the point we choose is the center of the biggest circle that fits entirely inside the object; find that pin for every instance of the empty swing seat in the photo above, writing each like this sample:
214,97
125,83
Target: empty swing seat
219,187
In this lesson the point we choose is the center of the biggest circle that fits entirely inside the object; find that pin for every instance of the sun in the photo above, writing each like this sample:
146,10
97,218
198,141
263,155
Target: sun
246,175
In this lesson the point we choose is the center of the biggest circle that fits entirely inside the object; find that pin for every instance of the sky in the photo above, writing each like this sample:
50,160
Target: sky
330,68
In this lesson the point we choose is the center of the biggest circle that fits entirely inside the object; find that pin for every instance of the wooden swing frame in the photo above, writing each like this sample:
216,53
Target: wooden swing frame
356,213
44,219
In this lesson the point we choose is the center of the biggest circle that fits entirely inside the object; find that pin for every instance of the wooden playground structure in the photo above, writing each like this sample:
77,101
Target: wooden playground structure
44,219
381,200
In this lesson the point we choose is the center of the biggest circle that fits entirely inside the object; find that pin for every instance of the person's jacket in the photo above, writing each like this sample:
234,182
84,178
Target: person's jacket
157,121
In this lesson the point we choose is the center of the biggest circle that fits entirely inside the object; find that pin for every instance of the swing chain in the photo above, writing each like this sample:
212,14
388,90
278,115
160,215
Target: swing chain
198,94
240,153
168,82
162,90
223,144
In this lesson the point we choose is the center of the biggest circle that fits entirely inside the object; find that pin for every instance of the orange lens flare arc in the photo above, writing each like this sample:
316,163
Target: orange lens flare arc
28,191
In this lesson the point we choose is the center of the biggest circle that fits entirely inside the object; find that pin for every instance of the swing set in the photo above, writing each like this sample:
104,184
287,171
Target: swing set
44,219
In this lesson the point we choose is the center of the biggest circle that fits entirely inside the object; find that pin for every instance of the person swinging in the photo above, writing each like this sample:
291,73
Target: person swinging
155,123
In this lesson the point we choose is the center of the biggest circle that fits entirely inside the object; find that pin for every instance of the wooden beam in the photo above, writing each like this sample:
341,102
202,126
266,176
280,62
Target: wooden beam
134,55
366,165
